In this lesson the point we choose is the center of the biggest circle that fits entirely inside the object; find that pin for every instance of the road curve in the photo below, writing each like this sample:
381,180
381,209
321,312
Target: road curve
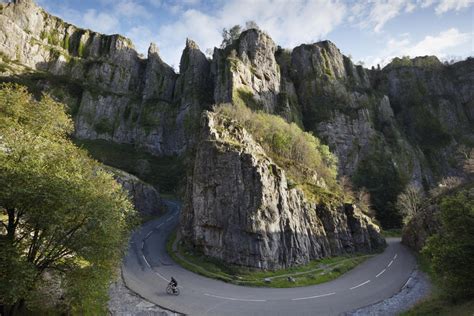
147,269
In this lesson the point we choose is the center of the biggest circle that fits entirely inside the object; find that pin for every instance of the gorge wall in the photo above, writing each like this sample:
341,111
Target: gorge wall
241,209
388,127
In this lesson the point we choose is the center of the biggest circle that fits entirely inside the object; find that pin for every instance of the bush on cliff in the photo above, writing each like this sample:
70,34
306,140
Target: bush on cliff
63,220
300,153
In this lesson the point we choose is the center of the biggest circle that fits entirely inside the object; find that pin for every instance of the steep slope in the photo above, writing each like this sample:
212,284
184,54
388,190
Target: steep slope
114,93
381,146
240,207
388,127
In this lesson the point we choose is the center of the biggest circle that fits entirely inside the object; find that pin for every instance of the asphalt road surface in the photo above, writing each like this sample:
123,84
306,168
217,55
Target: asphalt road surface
147,269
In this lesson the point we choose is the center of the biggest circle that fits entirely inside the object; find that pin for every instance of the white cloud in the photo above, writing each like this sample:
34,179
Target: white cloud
290,23
377,13
439,45
99,21
448,5
156,3
131,8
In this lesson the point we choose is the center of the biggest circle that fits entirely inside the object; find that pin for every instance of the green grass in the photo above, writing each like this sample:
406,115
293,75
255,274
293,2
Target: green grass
316,272
167,173
394,232
436,305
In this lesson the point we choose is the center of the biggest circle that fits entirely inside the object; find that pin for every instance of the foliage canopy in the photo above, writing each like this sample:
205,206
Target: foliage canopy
62,216
451,251
301,154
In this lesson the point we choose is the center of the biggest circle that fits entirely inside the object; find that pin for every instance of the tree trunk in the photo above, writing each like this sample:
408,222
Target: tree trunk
11,224
16,309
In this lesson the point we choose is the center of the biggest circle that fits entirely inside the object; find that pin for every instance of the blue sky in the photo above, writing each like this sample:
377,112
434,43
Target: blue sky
370,31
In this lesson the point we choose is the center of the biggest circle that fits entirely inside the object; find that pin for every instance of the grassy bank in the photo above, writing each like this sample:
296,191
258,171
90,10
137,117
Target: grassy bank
436,305
394,232
317,271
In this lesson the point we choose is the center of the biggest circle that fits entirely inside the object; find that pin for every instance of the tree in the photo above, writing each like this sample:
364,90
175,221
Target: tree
381,178
451,251
410,202
229,36
62,215
251,25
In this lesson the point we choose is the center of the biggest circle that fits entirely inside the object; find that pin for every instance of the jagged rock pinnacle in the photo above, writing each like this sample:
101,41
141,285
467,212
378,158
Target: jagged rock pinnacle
23,2
191,44
153,49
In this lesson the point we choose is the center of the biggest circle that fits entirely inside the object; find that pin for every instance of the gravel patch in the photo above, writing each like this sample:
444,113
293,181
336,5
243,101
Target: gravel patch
125,302
417,287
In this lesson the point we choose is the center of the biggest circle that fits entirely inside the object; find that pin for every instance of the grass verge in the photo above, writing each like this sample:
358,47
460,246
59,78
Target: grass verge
437,305
394,232
316,272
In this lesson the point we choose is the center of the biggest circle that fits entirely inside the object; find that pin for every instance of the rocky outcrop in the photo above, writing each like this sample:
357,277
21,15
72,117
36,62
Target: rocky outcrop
145,197
423,225
246,71
241,209
117,95
402,123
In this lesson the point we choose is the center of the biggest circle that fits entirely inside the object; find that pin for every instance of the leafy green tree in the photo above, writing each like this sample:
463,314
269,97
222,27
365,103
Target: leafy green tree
379,176
451,251
230,35
61,214
251,25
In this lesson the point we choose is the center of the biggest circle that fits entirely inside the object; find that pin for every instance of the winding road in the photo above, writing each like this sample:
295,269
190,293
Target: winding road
147,269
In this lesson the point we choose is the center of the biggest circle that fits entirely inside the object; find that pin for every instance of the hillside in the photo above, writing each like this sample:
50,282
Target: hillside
387,127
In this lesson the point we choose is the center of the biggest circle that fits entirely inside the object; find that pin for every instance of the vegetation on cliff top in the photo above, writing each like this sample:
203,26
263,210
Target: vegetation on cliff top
64,221
300,153
308,163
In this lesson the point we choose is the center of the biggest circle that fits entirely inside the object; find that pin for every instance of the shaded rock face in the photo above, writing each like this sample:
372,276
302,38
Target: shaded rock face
240,209
145,197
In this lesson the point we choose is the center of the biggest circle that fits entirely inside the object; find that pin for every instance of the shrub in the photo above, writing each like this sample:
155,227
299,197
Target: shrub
300,153
451,251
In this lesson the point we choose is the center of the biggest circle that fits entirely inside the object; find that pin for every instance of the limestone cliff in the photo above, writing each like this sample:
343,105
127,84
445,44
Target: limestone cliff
388,126
114,93
241,209
145,197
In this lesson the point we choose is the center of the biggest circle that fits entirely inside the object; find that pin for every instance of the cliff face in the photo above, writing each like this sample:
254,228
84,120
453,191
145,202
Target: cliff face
114,93
145,197
387,127
117,95
241,209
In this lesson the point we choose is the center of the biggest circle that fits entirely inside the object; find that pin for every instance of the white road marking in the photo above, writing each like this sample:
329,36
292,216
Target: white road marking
149,233
162,276
390,263
143,244
169,219
234,299
406,283
146,261
159,226
381,272
310,297
355,287
395,257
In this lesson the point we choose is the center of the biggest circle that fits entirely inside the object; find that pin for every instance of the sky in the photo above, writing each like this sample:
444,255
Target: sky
369,31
